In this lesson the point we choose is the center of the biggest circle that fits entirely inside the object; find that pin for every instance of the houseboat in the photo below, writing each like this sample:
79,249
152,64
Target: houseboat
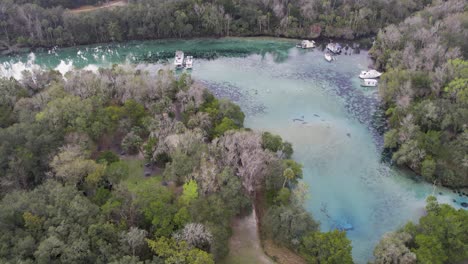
372,74
188,62
306,44
179,59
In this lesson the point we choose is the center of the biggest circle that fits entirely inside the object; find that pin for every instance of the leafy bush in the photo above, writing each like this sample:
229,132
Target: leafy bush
271,142
180,167
162,159
225,125
287,224
117,172
329,248
131,143
108,157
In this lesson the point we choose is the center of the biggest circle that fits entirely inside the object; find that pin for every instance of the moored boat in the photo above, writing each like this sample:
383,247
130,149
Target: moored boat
369,83
188,62
372,74
334,48
306,44
328,57
179,59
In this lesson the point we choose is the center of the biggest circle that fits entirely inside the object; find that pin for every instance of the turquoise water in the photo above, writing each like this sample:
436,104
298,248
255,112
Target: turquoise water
275,83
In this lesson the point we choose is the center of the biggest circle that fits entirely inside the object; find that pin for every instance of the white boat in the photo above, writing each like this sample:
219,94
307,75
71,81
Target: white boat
179,59
372,74
369,82
188,62
306,44
334,47
328,57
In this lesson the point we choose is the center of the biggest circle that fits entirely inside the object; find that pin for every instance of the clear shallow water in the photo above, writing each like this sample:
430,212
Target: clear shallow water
274,84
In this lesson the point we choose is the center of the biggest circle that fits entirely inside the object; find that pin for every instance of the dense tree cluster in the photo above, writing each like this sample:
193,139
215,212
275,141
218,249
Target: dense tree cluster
47,23
425,89
440,237
57,224
71,193
64,134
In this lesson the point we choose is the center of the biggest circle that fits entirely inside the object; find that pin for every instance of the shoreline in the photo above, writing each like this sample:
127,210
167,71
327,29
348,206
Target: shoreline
321,40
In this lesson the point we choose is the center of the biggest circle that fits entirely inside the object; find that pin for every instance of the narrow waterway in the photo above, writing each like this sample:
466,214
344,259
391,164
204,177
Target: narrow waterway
316,105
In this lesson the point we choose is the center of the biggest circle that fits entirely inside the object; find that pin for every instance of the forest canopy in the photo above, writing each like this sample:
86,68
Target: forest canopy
128,166
425,89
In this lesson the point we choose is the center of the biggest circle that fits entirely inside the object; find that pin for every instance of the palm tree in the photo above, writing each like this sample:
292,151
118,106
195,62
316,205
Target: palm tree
288,175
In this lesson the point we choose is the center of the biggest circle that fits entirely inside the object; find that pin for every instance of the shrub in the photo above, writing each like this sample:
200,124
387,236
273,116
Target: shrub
108,157
131,143
271,142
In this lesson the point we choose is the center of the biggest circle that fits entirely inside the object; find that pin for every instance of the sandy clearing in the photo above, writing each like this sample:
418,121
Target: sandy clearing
89,8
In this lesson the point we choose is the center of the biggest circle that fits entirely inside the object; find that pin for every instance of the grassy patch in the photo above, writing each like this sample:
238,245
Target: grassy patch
136,186
136,175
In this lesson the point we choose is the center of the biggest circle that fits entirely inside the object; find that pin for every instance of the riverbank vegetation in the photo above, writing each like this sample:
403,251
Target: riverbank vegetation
425,88
439,237
36,23
126,166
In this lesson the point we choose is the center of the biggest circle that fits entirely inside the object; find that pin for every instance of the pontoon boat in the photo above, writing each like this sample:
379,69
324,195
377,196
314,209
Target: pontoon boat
369,83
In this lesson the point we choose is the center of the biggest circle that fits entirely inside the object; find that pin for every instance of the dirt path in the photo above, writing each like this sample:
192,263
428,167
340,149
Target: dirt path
282,255
92,8
244,245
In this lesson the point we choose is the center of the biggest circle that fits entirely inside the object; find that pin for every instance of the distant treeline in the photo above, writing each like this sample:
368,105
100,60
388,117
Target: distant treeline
36,23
